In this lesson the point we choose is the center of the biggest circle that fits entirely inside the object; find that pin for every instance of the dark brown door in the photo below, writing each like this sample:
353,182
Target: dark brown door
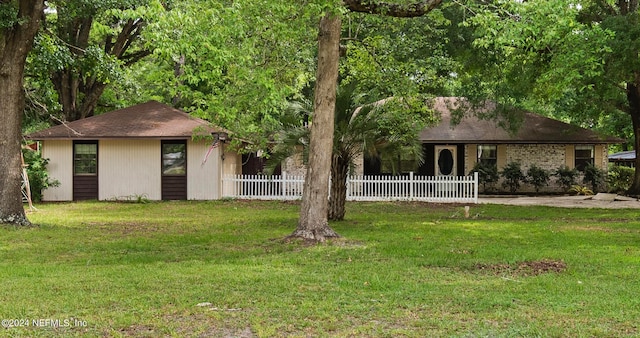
85,170
174,170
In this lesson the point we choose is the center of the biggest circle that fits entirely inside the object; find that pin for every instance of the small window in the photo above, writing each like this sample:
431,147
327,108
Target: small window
400,164
584,155
85,158
488,154
174,158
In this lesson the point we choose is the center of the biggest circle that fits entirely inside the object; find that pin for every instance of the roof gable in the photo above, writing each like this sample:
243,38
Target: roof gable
146,120
533,129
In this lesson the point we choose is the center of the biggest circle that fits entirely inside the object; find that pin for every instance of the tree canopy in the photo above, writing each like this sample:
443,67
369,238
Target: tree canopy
576,60
238,63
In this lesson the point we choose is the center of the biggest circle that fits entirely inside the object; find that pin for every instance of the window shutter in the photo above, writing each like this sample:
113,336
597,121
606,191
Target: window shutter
502,156
597,157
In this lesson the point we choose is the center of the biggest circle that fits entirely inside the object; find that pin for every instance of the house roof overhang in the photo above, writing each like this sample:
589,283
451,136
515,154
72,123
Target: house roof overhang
532,128
150,120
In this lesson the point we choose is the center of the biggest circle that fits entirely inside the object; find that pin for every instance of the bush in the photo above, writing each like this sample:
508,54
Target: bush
513,176
594,176
487,174
620,178
566,177
580,190
37,172
537,177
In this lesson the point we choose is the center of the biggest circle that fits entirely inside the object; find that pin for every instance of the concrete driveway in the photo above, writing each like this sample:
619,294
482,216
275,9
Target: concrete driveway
608,201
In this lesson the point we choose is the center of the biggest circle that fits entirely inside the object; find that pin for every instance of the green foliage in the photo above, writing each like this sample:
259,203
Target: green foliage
37,172
581,190
236,64
398,57
537,177
594,176
513,176
83,46
487,175
620,178
135,198
566,177
556,57
8,14
383,128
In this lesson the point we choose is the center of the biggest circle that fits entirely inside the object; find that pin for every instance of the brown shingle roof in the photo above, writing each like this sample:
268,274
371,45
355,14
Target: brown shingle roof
147,120
534,128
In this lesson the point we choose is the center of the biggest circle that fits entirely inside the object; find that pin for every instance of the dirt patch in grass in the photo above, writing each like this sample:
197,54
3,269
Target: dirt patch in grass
530,268
126,228
138,331
303,243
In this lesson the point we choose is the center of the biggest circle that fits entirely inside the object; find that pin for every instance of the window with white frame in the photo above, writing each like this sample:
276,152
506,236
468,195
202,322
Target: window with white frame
488,154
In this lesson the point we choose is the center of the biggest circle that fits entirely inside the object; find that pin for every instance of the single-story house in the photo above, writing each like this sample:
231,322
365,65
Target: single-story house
144,151
454,149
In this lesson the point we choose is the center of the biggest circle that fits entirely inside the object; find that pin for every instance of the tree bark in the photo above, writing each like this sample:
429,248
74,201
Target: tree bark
633,97
78,93
15,43
313,223
338,196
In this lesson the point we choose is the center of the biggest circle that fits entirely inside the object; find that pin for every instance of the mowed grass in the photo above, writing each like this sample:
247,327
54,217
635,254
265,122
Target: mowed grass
221,269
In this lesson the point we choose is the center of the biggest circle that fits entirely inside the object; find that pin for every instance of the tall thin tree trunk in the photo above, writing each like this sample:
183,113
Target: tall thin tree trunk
338,198
633,96
15,43
313,223
178,71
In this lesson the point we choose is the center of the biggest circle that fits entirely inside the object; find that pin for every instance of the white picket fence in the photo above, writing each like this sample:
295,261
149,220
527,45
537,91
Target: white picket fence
449,189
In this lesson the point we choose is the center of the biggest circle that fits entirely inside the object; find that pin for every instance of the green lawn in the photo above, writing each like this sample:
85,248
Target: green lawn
402,269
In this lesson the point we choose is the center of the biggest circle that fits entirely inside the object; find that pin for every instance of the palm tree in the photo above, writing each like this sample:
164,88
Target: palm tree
381,128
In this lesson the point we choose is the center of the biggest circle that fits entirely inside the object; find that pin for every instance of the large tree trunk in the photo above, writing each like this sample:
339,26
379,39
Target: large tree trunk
313,223
78,91
633,96
15,43
338,196
78,100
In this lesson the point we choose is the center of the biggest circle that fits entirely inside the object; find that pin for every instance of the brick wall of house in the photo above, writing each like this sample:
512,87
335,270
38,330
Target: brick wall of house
546,156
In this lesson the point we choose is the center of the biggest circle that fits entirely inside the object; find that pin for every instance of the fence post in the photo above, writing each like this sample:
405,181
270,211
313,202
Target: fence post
283,186
411,194
475,187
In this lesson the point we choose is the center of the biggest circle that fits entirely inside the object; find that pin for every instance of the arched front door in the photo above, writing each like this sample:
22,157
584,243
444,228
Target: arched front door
445,160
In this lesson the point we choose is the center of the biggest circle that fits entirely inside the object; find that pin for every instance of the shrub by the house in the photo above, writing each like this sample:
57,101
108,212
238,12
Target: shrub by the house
37,172
594,176
513,176
537,177
487,175
566,177
620,178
